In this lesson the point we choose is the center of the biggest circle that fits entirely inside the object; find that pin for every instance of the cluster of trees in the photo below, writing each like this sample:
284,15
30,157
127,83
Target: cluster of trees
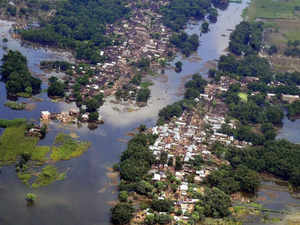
250,65
214,203
56,88
16,75
156,218
187,44
122,213
143,95
92,105
136,160
290,79
246,38
231,180
262,87
293,49
278,157
293,109
254,110
179,12
193,89
79,25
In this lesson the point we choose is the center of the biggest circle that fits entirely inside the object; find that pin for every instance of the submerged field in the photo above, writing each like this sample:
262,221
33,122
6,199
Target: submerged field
31,159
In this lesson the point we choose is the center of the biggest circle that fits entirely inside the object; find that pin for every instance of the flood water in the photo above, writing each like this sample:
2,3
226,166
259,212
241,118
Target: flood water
85,195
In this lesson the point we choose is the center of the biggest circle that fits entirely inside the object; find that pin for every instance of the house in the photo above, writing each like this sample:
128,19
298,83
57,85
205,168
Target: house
156,177
289,98
45,115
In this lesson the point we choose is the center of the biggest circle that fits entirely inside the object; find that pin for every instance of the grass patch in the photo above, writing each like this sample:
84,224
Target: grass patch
25,177
13,143
40,153
243,96
67,147
10,123
48,175
15,105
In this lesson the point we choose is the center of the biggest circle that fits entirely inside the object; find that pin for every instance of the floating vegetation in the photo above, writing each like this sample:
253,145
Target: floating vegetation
67,147
48,175
15,105
17,147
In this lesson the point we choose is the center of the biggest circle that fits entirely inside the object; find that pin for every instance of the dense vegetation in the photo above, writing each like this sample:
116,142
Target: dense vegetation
246,38
187,44
214,203
279,157
251,65
56,88
231,180
136,160
294,109
255,110
16,75
121,213
179,12
79,25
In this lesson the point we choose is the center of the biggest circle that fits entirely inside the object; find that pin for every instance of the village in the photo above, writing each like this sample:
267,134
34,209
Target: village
140,46
191,137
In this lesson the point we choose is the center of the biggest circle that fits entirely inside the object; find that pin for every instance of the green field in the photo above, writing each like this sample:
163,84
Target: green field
272,9
243,96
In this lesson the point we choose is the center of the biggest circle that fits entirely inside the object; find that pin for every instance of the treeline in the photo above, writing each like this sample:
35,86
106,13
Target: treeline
194,88
280,158
246,38
255,66
79,25
134,165
57,65
250,65
179,12
16,75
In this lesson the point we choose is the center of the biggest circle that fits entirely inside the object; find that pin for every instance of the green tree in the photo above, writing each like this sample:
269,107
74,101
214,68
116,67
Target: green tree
122,213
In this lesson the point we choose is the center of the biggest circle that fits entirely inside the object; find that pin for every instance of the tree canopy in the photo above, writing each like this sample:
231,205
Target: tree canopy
16,75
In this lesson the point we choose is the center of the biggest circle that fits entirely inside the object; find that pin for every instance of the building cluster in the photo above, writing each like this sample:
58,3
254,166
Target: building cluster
141,36
187,138
72,116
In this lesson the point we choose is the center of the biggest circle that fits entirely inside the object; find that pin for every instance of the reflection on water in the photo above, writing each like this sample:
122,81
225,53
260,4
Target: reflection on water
290,130
83,197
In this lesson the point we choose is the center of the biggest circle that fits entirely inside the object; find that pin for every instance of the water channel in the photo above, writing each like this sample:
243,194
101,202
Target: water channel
85,196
